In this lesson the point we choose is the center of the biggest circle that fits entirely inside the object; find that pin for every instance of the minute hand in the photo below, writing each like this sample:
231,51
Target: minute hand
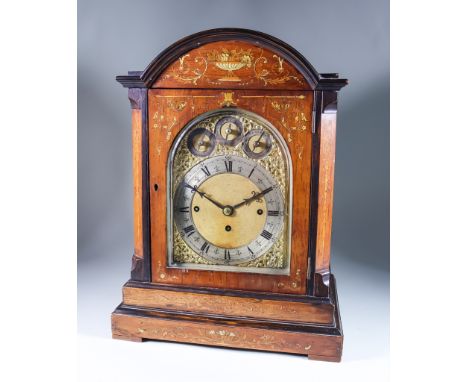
203,195
256,196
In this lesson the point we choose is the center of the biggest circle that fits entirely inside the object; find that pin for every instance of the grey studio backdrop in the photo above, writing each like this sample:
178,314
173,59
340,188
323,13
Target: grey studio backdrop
348,37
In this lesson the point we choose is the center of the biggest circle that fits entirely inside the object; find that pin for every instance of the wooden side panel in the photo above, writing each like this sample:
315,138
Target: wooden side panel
325,202
277,310
316,346
137,183
291,113
234,65
140,260
325,193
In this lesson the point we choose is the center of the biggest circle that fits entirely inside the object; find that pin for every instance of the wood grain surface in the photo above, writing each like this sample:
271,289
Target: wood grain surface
233,65
275,310
137,183
206,332
327,131
197,324
291,113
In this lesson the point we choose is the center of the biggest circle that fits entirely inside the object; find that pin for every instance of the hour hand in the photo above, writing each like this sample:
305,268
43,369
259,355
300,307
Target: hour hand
203,195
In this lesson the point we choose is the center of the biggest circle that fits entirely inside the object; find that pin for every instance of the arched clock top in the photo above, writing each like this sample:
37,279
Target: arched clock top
231,58
234,64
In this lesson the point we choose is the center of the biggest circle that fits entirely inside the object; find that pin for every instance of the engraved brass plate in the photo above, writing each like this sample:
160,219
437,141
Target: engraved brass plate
245,232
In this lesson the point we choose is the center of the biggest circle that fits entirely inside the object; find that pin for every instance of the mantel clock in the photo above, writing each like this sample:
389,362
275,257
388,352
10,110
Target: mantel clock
233,137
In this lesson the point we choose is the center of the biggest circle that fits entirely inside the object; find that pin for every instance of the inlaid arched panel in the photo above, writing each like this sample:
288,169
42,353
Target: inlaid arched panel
232,64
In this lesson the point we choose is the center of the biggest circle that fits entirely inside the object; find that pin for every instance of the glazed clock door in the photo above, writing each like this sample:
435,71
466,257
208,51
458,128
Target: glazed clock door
224,213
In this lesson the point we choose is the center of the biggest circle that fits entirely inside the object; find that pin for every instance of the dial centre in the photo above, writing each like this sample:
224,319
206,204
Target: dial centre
227,189
228,210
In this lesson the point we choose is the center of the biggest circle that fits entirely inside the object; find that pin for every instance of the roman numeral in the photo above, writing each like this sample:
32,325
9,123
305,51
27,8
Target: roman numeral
273,213
189,230
184,209
228,165
205,247
206,171
227,255
267,235
251,172
251,252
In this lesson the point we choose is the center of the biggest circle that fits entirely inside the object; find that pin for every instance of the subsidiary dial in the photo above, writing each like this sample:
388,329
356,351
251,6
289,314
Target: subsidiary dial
257,143
201,142
229,131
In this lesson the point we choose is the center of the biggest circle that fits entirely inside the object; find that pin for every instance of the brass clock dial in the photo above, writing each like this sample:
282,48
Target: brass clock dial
230,195
229,210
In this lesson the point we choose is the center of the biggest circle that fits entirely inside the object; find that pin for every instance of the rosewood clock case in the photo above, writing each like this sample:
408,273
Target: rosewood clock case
295,311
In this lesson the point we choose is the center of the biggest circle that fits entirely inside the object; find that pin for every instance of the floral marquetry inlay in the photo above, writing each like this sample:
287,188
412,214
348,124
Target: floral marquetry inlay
233,64
290,113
